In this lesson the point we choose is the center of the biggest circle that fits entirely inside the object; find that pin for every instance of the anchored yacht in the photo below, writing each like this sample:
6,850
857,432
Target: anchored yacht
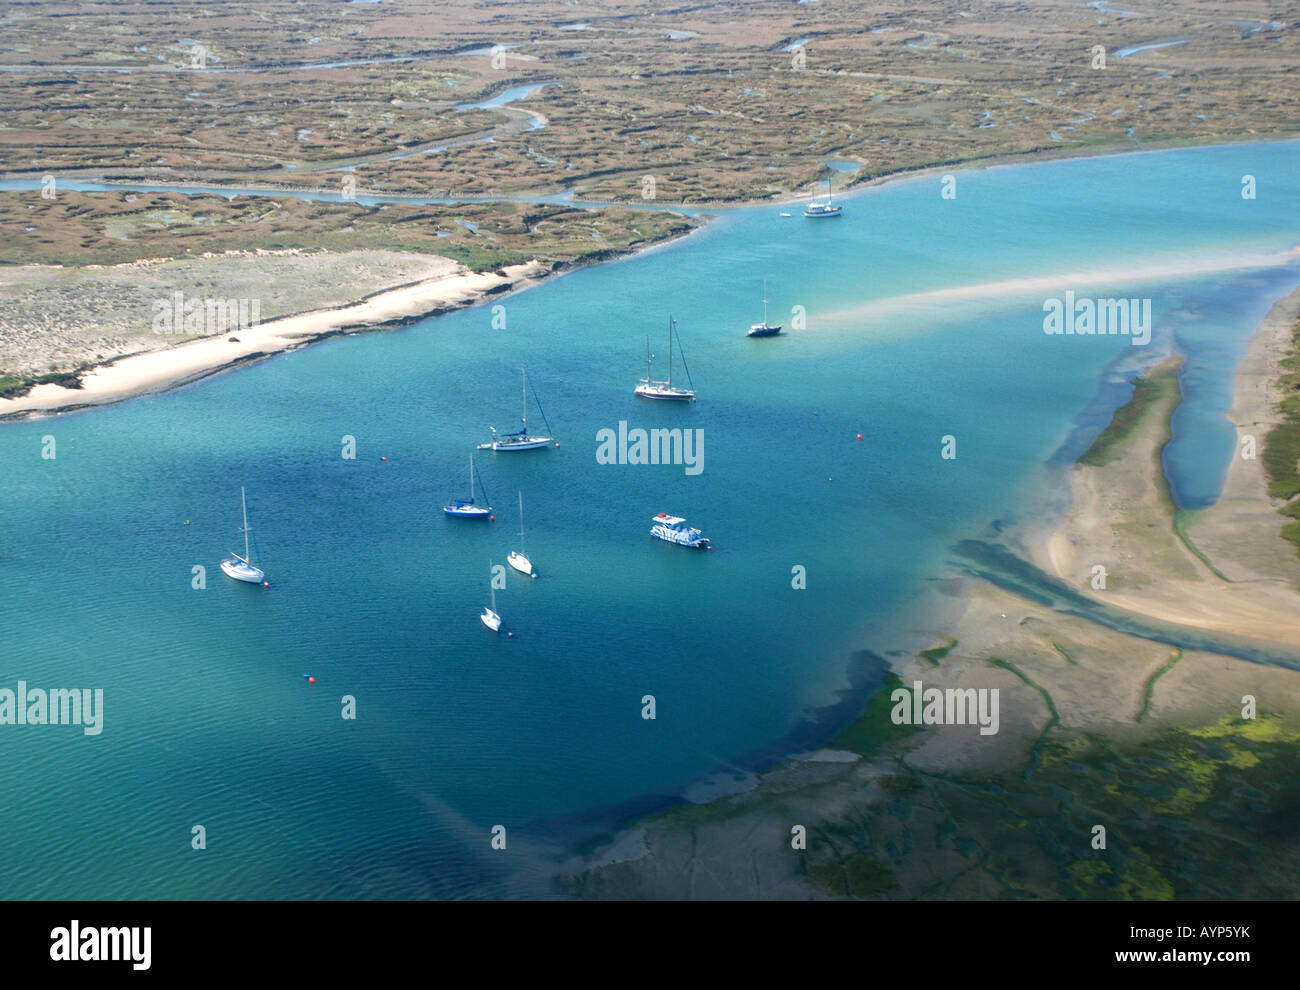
674,530
241,568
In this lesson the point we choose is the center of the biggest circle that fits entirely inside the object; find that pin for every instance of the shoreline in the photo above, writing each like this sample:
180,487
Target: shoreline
150,372
1083,681
1224,568
994,160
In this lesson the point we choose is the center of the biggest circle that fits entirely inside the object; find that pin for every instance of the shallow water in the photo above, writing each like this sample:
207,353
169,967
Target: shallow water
208,718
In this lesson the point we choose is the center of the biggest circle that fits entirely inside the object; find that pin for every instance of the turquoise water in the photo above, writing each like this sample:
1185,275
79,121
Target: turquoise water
208,719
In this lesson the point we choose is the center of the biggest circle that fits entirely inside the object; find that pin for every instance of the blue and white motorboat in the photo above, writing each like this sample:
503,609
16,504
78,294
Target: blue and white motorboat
674,530
819,211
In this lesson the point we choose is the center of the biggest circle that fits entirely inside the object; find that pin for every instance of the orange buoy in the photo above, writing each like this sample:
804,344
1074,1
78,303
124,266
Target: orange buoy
311,680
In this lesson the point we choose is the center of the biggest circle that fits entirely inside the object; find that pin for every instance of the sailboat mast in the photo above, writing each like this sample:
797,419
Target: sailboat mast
492,590
670,350
521,522
243,503
523,413
764,302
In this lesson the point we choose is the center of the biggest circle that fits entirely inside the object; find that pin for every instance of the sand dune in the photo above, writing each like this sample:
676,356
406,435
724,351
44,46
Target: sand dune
158,370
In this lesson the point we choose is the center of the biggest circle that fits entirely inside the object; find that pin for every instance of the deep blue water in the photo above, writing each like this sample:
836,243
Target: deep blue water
208,719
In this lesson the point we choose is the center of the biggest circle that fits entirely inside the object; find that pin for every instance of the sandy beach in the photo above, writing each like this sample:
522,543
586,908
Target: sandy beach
1066,683
454,287
1124,521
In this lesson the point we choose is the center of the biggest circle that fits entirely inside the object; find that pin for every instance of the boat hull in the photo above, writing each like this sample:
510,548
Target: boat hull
763,331
531,443
823,214
671,395
241,571
521,563
467,511
689,538
491,620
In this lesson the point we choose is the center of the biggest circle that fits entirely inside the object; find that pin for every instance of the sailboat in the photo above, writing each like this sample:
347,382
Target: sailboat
489,616
520,440
649,388
823,210
517,560
466,507
763,329
239,567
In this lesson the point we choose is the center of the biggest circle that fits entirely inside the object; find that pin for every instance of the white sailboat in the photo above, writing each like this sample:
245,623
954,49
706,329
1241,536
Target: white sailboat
240,568
517,560
520,440
489,616
648,388
820,211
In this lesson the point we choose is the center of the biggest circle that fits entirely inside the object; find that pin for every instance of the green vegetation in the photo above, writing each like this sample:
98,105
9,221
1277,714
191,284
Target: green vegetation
937,653
1181,518
854,876
12,387
1061,650
1151,683
111,228
716,112
1196,813
1282,445
874,729
1053,721
1146,390
1189,814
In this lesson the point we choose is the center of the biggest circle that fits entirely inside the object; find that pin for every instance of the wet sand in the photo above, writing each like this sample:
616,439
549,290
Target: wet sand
1065,683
